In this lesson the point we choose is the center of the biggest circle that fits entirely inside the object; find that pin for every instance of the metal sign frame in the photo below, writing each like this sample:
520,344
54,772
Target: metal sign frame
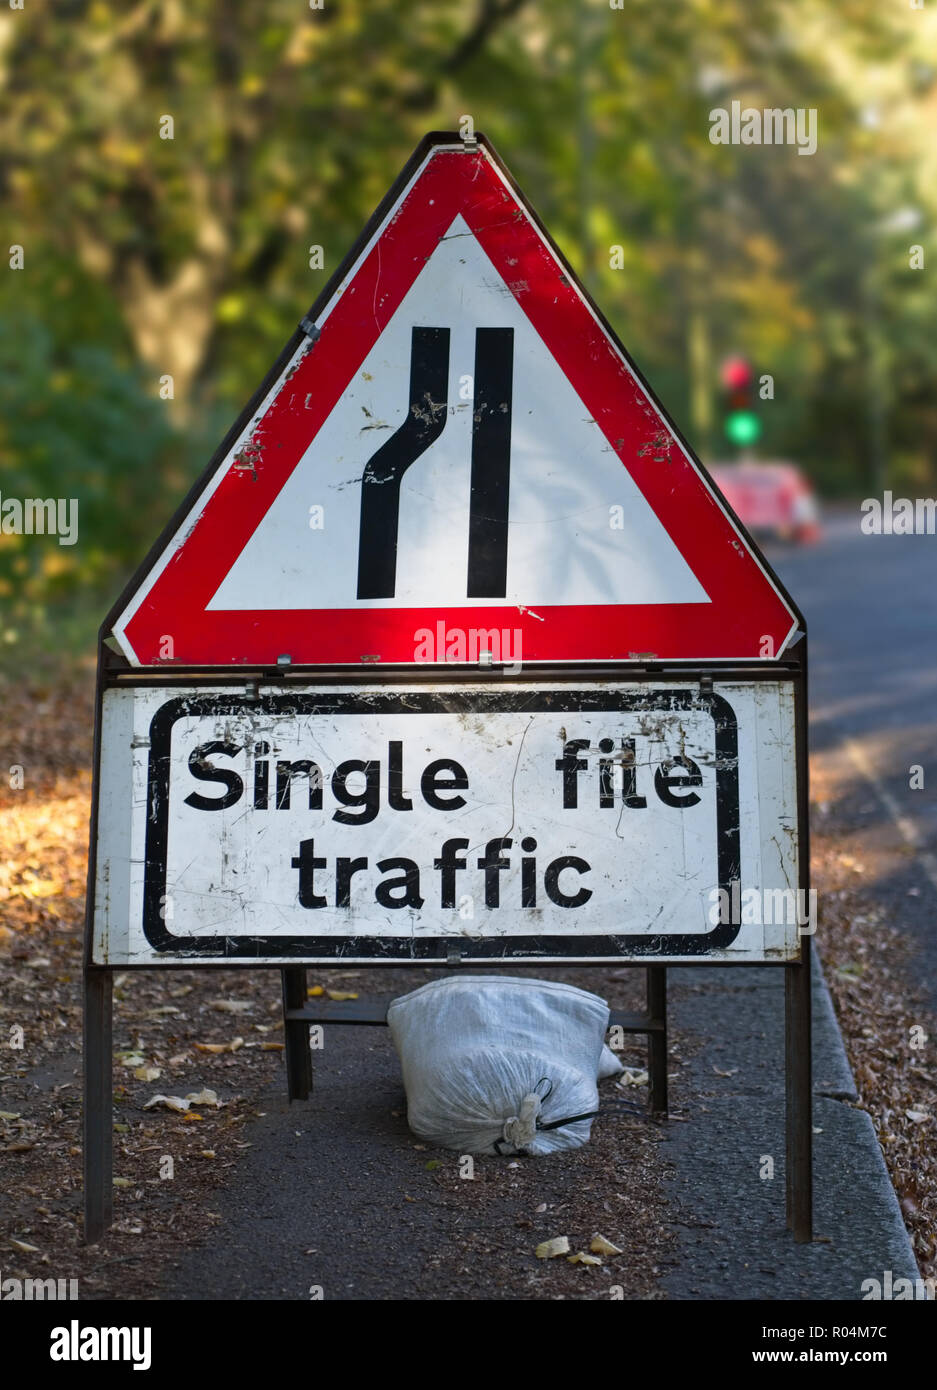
299,1013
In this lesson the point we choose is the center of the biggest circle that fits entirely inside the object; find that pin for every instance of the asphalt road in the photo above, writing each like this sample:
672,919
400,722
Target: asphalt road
871,608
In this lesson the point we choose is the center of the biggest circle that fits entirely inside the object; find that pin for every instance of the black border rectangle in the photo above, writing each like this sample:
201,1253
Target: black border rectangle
430,950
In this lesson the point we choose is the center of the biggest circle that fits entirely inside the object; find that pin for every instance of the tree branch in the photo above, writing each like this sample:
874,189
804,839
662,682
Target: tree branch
491,13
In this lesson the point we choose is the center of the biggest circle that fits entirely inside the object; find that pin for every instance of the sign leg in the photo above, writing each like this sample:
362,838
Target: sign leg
98,1116
798,1088
296,1034
657,1038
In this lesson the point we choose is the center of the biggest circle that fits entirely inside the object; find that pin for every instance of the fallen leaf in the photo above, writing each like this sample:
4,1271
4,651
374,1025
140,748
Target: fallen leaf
918,1116
122,1182
314,991
848,862
23,1245
10,1114
207,1153
148,1073
732,1071
272,1047
205,1097
581,1258
167,1103
232,1006
191,1115
632,1076
433,1164
340,994
542,1207
220,1047
549,1249
131,1059
38,888
600,1246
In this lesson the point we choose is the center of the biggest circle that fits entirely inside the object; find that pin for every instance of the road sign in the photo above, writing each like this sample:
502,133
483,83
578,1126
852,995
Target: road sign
587,821
574,727
456,443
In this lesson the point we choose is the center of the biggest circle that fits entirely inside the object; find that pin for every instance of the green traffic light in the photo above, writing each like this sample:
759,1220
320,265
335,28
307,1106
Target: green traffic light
743,427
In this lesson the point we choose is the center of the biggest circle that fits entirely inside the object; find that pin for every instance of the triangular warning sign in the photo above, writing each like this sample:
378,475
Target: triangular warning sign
455,453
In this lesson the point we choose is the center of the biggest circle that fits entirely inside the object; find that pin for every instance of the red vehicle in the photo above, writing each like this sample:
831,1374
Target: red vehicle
770,499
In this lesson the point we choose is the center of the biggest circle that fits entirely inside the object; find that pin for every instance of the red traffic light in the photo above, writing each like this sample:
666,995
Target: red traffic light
736,373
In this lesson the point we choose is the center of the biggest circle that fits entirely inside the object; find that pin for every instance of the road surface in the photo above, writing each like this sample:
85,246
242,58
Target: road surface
871,609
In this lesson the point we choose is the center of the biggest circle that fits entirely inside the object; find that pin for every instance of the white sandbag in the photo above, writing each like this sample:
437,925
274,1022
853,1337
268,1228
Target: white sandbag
489,1060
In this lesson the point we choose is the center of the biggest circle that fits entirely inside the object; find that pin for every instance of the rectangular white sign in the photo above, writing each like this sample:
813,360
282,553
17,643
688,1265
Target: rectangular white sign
596,821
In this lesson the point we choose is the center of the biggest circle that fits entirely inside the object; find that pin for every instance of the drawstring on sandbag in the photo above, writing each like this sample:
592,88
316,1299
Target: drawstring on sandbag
569,1120
521,1129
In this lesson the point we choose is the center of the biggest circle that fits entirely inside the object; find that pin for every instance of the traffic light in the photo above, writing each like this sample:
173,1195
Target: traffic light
742,425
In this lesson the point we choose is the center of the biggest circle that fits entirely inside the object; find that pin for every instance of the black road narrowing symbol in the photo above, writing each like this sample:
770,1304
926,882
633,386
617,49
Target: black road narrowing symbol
425,422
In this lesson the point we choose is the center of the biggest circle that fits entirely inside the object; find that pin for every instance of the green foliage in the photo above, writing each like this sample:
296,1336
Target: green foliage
75,424
189,256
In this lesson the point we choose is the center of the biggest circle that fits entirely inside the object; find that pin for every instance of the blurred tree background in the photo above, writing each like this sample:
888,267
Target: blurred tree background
145,257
